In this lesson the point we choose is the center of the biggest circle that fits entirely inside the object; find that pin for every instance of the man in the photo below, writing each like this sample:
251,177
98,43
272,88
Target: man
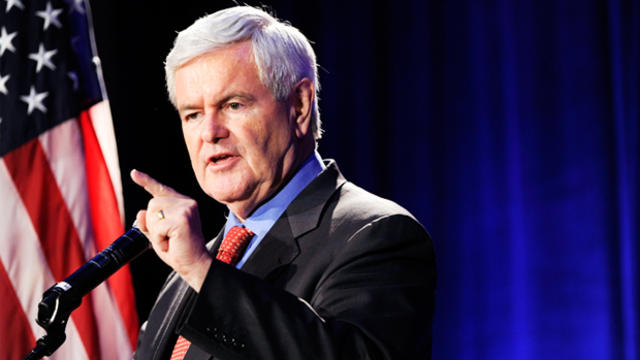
330,271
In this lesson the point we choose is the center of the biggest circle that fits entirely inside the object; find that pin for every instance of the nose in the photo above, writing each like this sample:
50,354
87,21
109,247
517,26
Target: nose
214,129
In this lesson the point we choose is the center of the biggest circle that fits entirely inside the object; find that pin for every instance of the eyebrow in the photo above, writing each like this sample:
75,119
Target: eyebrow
243,95
186,108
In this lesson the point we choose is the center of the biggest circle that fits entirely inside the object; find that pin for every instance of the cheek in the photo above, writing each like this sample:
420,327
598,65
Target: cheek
262,140
254,160
251,140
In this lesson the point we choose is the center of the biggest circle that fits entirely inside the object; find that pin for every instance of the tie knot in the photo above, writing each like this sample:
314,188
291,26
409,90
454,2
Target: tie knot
233,245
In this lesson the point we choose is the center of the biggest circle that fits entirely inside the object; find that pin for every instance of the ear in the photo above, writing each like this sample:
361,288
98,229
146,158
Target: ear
302,97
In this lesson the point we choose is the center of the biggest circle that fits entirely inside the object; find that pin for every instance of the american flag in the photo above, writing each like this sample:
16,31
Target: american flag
60,189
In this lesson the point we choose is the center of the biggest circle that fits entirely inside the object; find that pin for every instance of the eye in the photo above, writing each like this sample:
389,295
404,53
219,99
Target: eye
235,106
191,116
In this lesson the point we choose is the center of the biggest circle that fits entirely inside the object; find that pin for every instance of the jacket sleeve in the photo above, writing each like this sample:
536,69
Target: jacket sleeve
374,301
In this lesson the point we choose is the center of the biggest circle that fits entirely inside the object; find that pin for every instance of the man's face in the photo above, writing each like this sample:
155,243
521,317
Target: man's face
241,140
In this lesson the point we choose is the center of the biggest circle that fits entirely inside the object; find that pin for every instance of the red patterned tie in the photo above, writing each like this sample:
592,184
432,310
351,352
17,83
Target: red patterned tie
230,251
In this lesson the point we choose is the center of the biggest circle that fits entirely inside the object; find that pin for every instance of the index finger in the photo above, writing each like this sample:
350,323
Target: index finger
151,185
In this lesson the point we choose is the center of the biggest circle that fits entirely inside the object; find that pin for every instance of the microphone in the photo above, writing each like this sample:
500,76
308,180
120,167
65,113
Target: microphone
62,298
66,296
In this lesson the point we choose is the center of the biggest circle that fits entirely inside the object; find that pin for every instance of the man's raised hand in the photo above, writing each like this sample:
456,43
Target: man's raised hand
172,224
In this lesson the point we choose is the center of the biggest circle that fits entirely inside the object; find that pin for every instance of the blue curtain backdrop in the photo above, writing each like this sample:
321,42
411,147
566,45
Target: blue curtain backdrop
509,128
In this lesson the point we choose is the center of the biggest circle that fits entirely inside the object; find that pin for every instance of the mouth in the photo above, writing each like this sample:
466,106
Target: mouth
221,159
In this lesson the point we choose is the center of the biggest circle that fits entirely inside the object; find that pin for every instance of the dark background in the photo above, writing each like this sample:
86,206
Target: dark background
509,128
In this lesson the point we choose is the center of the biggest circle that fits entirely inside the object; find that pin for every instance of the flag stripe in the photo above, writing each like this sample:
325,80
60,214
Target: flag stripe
29,281
106,222
61,145
59,240
16,337
101,120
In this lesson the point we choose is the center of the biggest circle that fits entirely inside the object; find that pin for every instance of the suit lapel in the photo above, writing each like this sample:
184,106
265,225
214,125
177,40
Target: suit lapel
276,249
174,294
162,320
280,246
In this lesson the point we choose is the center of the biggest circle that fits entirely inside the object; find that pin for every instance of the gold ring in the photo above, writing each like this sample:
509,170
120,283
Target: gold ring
161,215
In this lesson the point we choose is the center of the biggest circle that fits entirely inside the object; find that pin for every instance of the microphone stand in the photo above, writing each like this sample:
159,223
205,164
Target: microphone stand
53,314
62,298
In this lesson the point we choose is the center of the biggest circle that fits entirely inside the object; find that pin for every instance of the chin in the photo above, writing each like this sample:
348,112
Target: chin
227,195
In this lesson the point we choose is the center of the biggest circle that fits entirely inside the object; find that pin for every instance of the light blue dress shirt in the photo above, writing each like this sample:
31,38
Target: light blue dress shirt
261,220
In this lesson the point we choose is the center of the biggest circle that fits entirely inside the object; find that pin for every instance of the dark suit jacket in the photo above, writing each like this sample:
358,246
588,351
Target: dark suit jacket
343,274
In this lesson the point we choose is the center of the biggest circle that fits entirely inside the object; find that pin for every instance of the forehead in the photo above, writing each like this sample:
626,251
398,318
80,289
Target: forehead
217,70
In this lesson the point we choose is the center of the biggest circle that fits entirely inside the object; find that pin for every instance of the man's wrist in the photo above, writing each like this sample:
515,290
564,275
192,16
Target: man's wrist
195,278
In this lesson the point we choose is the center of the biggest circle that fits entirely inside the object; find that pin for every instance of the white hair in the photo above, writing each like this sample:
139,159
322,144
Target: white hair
282,54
